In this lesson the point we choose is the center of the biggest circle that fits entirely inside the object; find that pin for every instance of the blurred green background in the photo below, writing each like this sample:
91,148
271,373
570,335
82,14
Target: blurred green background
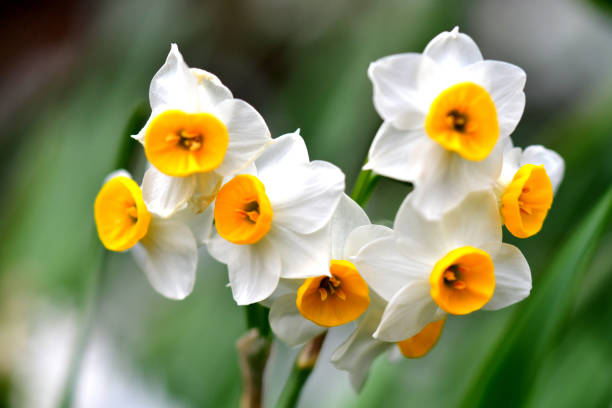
73,73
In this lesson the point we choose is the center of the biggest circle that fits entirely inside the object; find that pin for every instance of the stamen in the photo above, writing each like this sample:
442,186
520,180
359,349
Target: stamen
459,284
172,138
132,212
323,294
449,276
457,120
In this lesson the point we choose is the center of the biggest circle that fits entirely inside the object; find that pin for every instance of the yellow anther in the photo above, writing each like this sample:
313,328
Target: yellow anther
323,294
459,284
133,212
450,276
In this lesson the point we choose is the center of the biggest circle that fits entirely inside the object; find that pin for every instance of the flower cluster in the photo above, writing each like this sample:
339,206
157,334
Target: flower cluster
295,242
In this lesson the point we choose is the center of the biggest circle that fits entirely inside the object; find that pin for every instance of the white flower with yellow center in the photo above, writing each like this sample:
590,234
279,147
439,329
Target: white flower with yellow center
273,222
300,310
447,113
457,264
196,135
165,249
526,186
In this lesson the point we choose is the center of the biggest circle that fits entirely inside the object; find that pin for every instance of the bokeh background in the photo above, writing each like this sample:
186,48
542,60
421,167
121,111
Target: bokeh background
73,73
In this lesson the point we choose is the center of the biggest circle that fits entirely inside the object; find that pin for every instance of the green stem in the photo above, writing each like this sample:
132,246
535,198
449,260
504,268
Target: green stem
128,150
364,187
362,191
300,372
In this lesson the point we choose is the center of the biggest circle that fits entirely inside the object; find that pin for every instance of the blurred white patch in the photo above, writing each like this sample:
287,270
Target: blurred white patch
565,46
106,379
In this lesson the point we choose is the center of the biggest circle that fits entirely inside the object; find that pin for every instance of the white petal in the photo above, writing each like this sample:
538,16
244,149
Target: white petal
285,150
302,256
552,161
118,173
211,91
168,256
505,83
400,154
221,249
304,197
411,309
453,49
163,194
348,216
396,80
475,222
449,178
361,236
207,185
289,325
201,224
511,164
386,268
358,352
248,135
174,86
512,278
421,237
284,287
254,272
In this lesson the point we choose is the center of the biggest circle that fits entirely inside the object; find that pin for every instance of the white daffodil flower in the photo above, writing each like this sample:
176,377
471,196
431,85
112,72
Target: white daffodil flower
196,135
165,249
359,351
274,223
301,310
447,113
526,186
457,264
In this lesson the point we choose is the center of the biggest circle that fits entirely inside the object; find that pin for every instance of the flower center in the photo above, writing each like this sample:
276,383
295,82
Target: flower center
526,201
336,300
180,144
243,214
122,219
463,119
463,280
420,344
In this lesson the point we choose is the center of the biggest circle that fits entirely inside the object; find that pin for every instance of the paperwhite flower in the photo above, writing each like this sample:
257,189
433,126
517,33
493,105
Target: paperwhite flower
526,186
273,223
197,134
428,268
165,249
447,113
301,310
359,351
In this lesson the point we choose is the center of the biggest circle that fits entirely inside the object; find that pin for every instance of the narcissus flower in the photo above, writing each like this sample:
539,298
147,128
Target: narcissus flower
447,113
165,249
306,308
526,186
426,269
272,223
197,134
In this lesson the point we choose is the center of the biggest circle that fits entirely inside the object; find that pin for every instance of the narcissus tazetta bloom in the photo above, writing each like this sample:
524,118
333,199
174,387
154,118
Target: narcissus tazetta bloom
447,113
306,308
458,264
272,222
358,352
196,135
165,249
526,186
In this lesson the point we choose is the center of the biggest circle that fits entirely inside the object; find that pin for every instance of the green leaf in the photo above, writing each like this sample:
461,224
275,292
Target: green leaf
508,375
